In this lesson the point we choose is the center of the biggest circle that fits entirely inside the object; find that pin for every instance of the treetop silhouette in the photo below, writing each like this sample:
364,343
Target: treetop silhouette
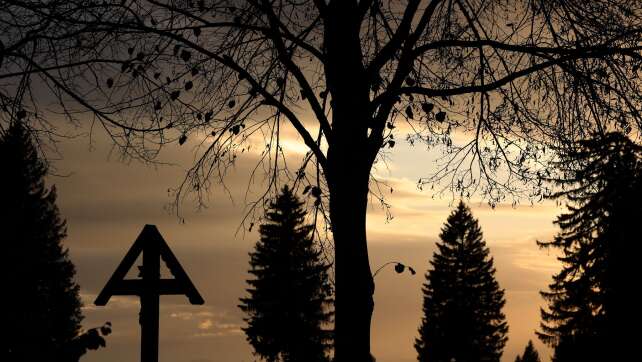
462,309
591,301
530,354
289,304
41,301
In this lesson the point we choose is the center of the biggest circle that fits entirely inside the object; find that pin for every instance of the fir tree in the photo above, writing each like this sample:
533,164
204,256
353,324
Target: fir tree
530,354
41,302
290,295
590,301
463,302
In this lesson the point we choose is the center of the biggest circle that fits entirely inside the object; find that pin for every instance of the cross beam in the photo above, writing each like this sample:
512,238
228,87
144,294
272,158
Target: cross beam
150,287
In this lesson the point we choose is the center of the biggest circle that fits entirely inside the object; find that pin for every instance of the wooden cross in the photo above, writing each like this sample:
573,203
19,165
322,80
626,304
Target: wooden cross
150,287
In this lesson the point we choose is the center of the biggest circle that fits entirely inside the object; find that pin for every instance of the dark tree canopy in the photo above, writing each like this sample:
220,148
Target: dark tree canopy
463,302
591,300
288,308
516,75
349,77
530,354
41,304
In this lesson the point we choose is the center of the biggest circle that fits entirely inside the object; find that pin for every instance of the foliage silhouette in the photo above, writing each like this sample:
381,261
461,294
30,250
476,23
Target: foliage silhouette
463,303
289,299
91,339
590,301
530,354
517,76
41,304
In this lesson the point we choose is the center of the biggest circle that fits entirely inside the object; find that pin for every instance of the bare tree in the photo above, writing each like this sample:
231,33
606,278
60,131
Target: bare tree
516,75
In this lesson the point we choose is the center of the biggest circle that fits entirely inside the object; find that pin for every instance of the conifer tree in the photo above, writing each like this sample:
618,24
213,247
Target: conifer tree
463,318
289,301
590,301
530,354
41,314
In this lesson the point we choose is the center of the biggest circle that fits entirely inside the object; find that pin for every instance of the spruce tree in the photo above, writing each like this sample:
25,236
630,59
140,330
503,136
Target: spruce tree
590,301
530,354
289,301
41,314
463,318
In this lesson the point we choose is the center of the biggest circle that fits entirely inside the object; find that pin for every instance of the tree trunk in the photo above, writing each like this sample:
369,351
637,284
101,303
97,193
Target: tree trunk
354,285
349,161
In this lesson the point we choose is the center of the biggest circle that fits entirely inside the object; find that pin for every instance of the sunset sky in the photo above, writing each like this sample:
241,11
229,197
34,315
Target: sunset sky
107,202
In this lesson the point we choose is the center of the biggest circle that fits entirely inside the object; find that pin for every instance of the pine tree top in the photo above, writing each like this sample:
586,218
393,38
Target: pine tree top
463,302
19,155
40,273
289,299
530,354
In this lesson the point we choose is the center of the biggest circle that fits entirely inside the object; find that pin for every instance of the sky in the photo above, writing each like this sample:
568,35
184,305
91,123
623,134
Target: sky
107,202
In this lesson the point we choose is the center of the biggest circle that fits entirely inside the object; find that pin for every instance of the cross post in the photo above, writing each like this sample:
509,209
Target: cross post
150,287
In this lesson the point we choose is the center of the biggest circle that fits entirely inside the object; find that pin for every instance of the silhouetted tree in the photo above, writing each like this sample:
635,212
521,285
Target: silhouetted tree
463,303
344,74
41,305
591,300
530,354
290,295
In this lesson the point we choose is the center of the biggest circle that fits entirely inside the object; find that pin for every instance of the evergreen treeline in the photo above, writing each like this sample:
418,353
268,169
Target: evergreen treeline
463,302
591,300
289,301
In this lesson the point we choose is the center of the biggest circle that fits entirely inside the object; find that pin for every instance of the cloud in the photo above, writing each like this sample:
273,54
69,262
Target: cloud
205,324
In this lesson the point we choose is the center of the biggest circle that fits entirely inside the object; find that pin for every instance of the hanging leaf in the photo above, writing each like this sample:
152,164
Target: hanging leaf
110,82
157,75
440,116
306,189
158,105
176,49
390,125
140,56
194,71
186,55
391,143
427,107
231,103
130,50
208,115
197,32
409,112
189,85
174,95
182,139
